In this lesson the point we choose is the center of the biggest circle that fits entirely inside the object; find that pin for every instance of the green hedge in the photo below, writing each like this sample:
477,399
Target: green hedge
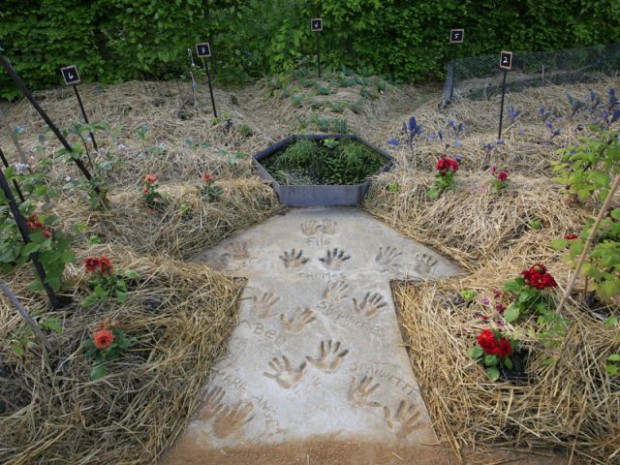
116,40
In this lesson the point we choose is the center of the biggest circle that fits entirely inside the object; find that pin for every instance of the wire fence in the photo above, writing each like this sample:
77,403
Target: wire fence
481,78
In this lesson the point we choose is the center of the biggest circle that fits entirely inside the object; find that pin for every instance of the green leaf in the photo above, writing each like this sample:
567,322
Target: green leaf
475,352
611,322
40,189
511,313
490,360
98,372
507,363
514,285
121,296
614,358
612,369
559,244
30,248
51,324
493,373
131,274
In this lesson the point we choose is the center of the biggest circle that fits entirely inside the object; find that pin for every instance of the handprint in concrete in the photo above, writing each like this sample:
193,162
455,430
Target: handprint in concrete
293,259
405,420
334,259
329,226
424,263
370,305
311,227
388,258
360,391
330,357
263,306
284,373
336,290
231,419
296,324
211,404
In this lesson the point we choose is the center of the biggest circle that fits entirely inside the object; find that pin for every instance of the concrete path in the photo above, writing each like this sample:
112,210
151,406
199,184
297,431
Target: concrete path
317,353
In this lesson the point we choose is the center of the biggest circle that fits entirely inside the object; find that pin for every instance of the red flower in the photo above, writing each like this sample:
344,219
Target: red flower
105,265
570,237
145,190
538,277
47,233
446,164
207,177
150,178
503,176
504,349
91,264
103,339
33,223
487,341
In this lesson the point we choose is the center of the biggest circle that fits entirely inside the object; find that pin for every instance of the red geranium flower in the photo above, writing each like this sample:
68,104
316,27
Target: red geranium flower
47,233
91,264
446,164
105,265
538,277
503,176
504,349
150,178
103,339
145,190
487,341
570,237
33,223
207,177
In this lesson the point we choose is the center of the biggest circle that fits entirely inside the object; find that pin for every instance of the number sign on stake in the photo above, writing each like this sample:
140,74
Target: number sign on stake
203,50
505,60
505,64
72,78
70,75
457,36
316,24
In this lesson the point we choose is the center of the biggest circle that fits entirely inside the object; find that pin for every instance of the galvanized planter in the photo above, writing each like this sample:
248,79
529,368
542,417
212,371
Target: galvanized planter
318,195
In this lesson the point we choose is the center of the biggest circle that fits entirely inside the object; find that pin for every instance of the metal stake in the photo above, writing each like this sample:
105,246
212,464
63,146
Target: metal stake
23,229
22,87
206,65
79,99
501,111
318,52
17,189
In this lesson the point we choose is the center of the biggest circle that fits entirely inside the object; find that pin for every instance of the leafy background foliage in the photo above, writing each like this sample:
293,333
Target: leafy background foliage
115,40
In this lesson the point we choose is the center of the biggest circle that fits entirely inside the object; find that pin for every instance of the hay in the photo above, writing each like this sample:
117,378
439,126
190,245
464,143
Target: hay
182,315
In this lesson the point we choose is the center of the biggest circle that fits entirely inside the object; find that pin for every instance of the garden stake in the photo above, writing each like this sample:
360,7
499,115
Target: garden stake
316,25
505,64
85,116
22,87
17,189
501,111
25,315
206,65
457,36
588,243
23,229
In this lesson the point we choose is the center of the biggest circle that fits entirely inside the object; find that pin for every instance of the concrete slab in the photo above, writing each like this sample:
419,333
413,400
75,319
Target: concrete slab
317,352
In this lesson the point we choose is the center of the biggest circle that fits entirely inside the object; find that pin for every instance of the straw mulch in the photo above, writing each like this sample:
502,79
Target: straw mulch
181,316
185,227
572,404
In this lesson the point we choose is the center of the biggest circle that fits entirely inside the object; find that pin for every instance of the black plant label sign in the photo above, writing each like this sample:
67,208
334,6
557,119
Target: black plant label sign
70,75
457,36
505,60
316,24
203,50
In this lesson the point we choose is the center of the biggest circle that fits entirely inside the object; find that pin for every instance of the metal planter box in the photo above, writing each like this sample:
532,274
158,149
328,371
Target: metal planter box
318,195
